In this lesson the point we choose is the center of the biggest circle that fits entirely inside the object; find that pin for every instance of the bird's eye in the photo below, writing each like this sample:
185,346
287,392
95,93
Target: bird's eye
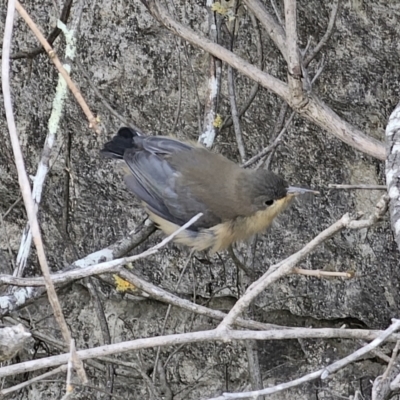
269,202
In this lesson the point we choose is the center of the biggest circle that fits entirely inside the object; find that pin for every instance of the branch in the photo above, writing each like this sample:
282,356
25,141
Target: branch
24,295
327,35
53,56
53,125
293,55
209,131
273,29
23,177
322,373
286,266
356,187
177,339
392,170
315,110
50,39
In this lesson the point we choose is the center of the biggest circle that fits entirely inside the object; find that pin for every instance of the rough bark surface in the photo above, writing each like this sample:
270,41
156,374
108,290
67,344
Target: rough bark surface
133,62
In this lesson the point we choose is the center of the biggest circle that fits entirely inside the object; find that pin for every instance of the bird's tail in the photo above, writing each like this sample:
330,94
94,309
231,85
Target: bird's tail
119,143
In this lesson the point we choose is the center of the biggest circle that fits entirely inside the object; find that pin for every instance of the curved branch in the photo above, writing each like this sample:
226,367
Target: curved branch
315,110
393,170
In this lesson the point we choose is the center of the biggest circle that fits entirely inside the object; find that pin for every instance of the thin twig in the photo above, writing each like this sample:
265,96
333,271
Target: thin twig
193,337
53,56
105,102
23,177
232,96
286,266
272,28
61,368
322,373
293,55
321,274
51,138
359,353
254,89
327,35
314,110
209,130
273,145
361,187
32,53
155,368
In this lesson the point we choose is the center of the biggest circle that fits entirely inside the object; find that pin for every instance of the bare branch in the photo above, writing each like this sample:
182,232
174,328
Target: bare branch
293,55
209,131
327,35
392,170
273,29
359,353
355,187
23,177
53,56
286,266
61,368
322,373
315,110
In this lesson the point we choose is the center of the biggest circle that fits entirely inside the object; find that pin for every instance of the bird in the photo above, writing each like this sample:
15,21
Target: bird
176,180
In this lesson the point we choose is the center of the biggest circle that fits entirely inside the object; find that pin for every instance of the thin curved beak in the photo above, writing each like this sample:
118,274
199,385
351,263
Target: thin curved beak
295,191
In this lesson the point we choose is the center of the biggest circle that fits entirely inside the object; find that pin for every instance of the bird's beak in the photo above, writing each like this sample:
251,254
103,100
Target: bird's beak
295,191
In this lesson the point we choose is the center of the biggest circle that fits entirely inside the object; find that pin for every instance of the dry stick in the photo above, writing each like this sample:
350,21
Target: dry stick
232,99
101,268
285,267
272,146
361,187
322,373
25,295
279,270
183,338
69,387
53,56
166,297
155,368
327,35
209,130
293,55
235,115
23,177
254,366
359,353
315,110
254,89
274,30
51,137
105,102
392,170
320,273
61,368
382,386
50,39
277,13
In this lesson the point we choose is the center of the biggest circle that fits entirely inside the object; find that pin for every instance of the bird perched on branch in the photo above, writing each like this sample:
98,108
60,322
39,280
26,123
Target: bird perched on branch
176,180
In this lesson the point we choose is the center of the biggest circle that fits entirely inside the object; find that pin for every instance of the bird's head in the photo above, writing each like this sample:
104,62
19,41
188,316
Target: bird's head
269,191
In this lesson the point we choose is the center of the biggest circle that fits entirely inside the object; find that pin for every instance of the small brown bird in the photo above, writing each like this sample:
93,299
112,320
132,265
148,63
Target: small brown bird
177,180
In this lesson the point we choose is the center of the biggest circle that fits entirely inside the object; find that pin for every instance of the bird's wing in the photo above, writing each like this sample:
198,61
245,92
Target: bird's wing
162,145
156,182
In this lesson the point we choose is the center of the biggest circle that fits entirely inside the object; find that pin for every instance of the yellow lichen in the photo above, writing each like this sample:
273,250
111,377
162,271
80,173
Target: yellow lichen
122,285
